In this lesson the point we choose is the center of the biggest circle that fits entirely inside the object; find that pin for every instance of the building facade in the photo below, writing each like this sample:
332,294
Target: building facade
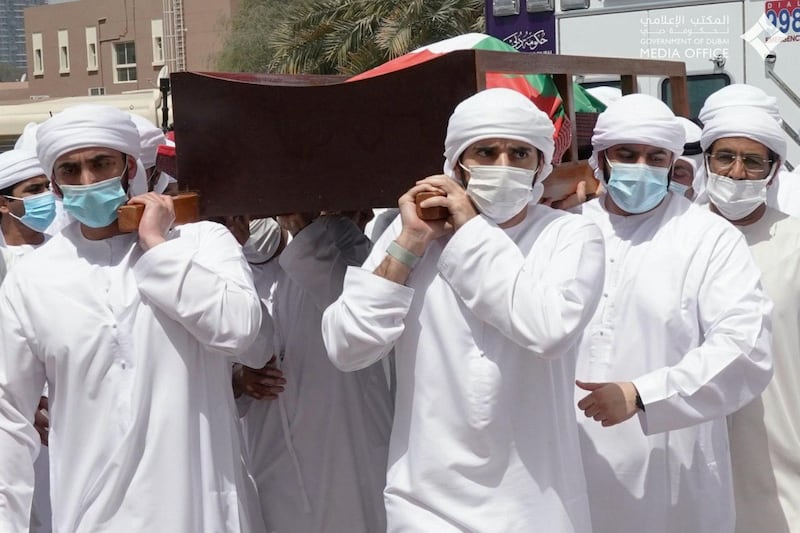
95,47
12,31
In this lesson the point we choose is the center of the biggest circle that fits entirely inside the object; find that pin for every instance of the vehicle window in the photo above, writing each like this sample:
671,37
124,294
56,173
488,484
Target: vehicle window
699,87
609,83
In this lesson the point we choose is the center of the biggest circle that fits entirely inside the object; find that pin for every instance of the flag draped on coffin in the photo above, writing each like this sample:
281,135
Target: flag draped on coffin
540,88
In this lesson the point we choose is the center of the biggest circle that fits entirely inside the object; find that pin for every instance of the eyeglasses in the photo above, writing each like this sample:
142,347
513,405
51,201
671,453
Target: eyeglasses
753,164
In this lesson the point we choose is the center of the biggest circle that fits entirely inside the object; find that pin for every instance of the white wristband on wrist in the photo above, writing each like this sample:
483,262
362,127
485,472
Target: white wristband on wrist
406,257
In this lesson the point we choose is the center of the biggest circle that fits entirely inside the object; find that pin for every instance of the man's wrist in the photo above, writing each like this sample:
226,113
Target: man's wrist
150,242
415,245
402,254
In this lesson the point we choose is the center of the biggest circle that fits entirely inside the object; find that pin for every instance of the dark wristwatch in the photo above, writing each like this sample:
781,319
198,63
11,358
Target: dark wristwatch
639,404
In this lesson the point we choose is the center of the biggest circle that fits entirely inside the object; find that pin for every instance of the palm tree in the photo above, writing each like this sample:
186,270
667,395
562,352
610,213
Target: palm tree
246,47
351,36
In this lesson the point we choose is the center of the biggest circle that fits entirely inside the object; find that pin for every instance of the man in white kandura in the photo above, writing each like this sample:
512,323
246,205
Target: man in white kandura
27,142
27,206
28,209
135,335
150,138
318,450
744,150
483,310
784,192
681,338
687,177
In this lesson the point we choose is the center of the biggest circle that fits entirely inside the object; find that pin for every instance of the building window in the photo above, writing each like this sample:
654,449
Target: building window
124,62
38,57
63,51
157,31
91,57
97,91
91,48
63,59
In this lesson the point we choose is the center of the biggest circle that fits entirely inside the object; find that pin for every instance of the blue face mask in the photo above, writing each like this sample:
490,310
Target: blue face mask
95,205
637,188
678,188
40,210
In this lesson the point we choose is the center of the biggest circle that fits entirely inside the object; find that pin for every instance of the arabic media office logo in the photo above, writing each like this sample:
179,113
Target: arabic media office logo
773,35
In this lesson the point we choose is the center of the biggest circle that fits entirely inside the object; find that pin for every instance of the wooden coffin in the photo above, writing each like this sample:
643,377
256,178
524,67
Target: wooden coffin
271,144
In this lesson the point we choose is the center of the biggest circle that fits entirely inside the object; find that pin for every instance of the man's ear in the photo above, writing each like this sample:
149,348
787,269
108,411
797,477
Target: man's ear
131,166
3,204
127,179
602,162
458,172
539,165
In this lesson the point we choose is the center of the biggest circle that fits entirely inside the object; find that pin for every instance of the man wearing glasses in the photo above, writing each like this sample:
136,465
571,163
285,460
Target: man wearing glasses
783,193
681,337
744,150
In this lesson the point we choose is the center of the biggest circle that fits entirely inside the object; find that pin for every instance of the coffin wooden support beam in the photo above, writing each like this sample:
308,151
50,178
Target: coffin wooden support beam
565,89
271,144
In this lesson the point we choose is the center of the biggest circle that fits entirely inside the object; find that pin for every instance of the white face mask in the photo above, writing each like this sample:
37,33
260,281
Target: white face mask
501,192
735,199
